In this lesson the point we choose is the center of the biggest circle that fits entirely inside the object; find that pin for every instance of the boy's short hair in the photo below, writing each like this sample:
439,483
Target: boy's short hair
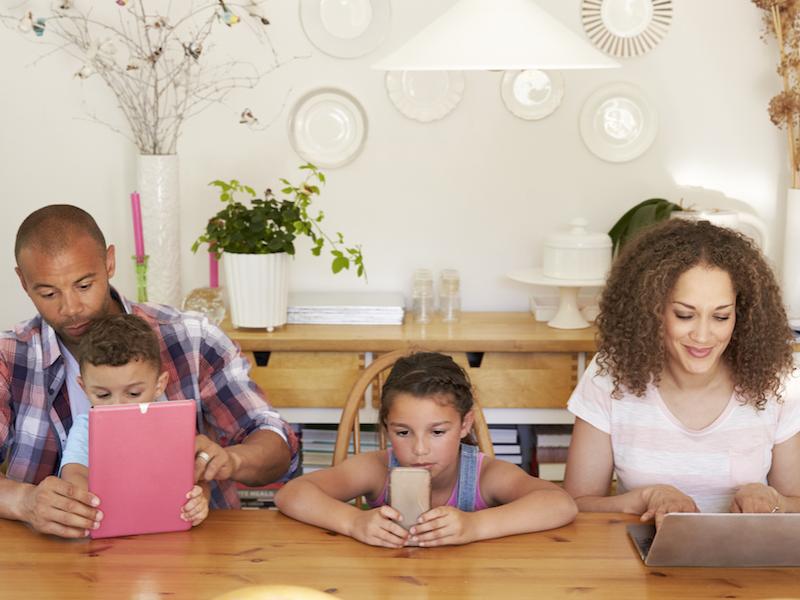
116,340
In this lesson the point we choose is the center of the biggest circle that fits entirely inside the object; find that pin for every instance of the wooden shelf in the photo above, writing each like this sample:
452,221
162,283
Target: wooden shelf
475,332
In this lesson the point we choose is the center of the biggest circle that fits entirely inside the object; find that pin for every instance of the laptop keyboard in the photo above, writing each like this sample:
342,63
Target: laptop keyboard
643,536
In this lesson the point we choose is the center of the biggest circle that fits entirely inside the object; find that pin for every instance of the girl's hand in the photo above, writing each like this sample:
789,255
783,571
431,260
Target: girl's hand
444,525
196,508
212,461
378,527
756,498
662,499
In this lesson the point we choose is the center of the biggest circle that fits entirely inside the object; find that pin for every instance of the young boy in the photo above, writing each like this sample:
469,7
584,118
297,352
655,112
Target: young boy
120,363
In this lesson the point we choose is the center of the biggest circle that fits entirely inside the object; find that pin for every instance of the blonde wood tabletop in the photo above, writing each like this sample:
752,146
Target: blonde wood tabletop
476,331
592,558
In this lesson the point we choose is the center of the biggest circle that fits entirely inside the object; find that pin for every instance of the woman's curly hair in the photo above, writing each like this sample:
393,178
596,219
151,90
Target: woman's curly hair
631,326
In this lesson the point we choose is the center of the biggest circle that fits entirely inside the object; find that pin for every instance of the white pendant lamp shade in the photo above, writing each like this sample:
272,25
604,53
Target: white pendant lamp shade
478,35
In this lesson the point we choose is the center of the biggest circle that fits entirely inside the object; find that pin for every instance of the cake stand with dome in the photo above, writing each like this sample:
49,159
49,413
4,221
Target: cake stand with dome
568,316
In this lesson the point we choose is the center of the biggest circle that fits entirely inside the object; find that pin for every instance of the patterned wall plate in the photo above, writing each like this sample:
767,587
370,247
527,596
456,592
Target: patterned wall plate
532,94
328,127
425,95
626,27
618,123
346,28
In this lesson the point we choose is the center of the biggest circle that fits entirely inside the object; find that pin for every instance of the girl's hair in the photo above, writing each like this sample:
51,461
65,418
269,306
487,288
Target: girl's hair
631,326
428,375
116,340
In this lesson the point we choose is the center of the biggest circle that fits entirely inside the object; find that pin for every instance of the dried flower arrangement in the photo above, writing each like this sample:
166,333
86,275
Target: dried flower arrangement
157,63
782,19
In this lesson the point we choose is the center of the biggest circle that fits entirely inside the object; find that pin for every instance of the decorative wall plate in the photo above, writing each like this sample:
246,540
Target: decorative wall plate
626,27
346,28
425,95
328,127
532,94
618,123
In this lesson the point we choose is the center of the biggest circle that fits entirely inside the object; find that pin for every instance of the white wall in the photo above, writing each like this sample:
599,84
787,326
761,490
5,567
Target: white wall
477,191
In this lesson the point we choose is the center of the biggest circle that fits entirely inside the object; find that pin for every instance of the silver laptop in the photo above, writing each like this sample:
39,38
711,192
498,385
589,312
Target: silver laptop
720,540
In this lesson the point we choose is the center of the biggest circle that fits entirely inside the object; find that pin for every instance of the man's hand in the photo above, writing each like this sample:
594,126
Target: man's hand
212,461
61,508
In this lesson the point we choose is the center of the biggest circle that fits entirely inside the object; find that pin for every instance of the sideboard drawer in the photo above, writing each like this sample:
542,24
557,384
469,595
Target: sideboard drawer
523,379
307,379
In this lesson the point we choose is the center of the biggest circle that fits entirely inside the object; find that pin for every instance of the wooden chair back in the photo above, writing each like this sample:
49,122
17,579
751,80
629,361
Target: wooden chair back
375,374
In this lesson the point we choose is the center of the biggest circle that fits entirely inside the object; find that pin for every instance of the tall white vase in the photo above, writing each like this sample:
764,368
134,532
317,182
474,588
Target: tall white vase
258,288
158,188
791,254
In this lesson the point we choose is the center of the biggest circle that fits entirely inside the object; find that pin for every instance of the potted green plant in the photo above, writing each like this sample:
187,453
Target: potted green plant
257,240
640,216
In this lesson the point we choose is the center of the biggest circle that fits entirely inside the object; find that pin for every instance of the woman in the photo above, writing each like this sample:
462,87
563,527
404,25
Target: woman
691,398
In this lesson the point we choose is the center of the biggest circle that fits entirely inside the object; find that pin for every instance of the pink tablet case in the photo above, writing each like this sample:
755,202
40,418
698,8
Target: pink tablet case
141,465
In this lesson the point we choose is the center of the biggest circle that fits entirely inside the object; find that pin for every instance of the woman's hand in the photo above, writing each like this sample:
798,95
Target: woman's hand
212,461
444,525
662,499
378,527
196,508
756,498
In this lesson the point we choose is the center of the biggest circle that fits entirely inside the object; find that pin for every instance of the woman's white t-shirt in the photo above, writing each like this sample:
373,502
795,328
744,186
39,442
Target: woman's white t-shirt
651,446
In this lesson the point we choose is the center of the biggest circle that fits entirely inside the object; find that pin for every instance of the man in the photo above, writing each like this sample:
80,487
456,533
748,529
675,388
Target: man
64,266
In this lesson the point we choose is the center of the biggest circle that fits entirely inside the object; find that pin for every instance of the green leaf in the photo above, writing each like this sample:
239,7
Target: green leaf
339,263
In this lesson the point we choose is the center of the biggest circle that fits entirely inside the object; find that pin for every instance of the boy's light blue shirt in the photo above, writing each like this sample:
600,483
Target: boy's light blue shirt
77,448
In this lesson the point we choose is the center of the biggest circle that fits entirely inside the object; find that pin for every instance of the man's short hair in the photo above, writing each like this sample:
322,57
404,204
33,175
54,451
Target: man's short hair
116,340
53,228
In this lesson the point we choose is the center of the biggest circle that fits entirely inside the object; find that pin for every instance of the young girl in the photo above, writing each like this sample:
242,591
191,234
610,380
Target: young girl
426,408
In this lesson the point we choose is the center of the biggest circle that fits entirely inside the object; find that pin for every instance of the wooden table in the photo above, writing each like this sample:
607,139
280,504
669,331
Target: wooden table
592,558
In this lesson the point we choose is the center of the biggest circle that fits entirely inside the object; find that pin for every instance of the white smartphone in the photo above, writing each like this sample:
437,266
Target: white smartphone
410,493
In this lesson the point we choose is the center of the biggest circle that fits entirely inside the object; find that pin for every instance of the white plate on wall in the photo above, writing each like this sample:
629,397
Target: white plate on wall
618,123
626,27
328,127
346,28
425,95
532,94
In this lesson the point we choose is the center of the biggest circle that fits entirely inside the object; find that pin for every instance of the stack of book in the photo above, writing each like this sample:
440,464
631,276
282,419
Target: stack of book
505,442
346,308
258,497
552,445
317,443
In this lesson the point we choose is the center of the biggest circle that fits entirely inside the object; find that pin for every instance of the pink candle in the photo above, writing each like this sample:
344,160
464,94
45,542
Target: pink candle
138,236
213,271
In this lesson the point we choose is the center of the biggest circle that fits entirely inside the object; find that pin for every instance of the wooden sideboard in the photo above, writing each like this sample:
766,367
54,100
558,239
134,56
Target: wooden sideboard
513,360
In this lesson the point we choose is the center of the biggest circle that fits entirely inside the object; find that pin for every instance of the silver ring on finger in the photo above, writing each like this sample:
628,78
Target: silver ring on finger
204,456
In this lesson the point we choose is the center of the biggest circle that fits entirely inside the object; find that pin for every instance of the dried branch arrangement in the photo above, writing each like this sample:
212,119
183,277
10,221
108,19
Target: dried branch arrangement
159,64
782,19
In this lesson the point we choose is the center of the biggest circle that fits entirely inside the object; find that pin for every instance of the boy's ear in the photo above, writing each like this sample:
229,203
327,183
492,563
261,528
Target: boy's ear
466,423
80,383
161,383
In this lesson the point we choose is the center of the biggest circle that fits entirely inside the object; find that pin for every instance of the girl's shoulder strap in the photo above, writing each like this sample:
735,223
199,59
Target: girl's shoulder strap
468,477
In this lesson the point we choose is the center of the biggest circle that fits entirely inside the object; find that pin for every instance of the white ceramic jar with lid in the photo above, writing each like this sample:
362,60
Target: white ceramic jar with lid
577,254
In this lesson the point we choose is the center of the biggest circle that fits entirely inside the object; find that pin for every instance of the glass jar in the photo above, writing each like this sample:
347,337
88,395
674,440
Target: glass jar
422,301
450,295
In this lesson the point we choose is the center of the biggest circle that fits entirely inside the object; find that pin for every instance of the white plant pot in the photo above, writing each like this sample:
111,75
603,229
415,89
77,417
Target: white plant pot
158,188
258,287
